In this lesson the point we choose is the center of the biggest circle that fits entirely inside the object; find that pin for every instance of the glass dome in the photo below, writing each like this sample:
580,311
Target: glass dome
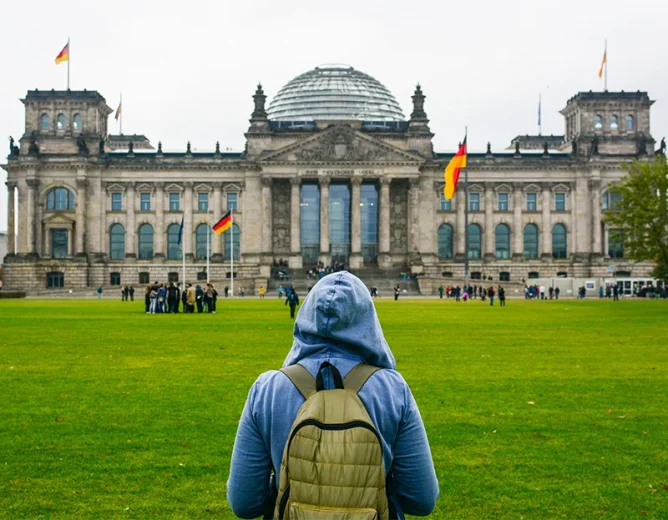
334,92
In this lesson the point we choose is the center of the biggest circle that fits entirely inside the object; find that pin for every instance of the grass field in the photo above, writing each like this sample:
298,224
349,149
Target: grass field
540,410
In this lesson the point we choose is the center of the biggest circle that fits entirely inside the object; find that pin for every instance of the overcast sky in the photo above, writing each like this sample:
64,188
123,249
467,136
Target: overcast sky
187,70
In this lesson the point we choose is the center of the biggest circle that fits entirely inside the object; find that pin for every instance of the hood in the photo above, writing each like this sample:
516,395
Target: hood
338,316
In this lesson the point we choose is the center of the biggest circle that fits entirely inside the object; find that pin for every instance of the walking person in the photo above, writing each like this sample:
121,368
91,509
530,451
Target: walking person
293,301
491,296
396,292
440,292
502,296
99,293
261,292
132,294
556,292
338,340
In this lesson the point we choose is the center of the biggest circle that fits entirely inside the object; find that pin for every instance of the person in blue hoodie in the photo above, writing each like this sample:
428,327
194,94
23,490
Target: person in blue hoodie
337,323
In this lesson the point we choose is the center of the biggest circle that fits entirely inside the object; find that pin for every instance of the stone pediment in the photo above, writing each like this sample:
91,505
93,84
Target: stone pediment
59,219
341,144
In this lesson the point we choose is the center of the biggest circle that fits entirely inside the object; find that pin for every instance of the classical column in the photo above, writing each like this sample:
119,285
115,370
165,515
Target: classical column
356,260
596,246
518,232
267,221
414,219
159,251
546,221
384,259
460,233
82,185
295,216
11,212
580,234
490,250
324,219
188,221
33,185
130,232
216,240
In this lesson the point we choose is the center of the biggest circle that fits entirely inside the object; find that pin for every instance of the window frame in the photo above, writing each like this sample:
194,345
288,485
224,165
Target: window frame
117,201
529,254
235,205
61,122
502,253
140,254
598,122
556,201
557,255
533,195
627,119
475,202
442,246
174,201
77,122
501,203
444,205
44,122
203,205
115,251
145,195
115,279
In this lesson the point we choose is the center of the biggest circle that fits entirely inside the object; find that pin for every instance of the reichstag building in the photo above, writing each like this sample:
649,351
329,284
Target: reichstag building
332,171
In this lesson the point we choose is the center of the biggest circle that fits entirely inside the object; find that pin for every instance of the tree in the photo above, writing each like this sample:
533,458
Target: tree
642,213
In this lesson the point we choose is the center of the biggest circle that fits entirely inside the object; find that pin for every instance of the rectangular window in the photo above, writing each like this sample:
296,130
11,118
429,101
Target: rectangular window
145,202
201,276
114,278
504,276
446,205
616,243
116,202
232,201
173,277
203,201
174,202
55,280
59,243
144,278
474,202
560,201
531,202
503,202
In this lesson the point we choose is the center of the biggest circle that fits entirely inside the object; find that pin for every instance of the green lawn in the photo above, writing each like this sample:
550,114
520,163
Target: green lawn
540,410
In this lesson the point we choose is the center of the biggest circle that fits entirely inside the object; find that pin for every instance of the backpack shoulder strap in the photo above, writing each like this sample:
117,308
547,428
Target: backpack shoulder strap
358,376
301,378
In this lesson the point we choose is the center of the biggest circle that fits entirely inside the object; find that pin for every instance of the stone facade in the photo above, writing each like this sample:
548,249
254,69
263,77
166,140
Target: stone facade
98,214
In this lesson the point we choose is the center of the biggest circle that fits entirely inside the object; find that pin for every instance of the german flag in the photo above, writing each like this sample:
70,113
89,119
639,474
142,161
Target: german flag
452,171
223,224
63,55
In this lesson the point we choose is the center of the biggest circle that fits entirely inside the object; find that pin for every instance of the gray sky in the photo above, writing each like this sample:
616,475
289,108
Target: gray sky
187,70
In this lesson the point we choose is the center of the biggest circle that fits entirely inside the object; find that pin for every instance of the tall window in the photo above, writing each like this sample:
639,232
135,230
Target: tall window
309,223
116,201
117,242
502,241
475,241
59,243
446,205
55,280
77,122
232,235
629,122
531,241
145,242
598,122
60,199
445,235
173,246
114,278
616,243
60,122
503,202
531,202
145,202
369,210
614,123
612,200
232,201
173,202
44,122
203,201
339,222
474,202
201,238
560,202
559,248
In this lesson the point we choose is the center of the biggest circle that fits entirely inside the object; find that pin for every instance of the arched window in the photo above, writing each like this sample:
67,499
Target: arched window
475,241
559,248
44,122
117,242
502,241
173,246
60,122
59,199
445,241
201,237
77,122
145,242
598,122
614,123
233,231
531,241
629,122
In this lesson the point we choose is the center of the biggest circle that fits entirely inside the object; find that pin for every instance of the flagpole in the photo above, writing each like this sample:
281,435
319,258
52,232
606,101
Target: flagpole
232,252
466,215
208,248
69,59
606,65
121,105
540,119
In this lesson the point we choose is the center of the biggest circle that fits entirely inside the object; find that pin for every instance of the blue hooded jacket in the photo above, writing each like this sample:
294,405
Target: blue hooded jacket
337,323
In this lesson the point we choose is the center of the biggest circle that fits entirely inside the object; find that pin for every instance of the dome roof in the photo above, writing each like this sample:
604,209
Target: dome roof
334,92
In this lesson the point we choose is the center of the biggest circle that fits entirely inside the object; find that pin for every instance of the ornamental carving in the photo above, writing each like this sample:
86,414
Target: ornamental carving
341,144
281,216
399,216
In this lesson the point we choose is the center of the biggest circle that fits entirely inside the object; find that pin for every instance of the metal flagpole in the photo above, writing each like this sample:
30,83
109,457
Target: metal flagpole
466,215
540,119
69,59
208,249
232,252
605,53
121,114
183,258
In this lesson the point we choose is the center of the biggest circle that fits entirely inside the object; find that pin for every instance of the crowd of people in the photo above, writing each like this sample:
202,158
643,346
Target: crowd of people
472,292
320,270
170,298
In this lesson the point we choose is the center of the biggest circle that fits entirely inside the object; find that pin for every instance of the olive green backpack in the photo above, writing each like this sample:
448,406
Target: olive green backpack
332,467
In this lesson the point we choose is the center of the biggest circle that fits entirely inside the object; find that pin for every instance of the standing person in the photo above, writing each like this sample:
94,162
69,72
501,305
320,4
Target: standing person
153,295
615,293
99,293
205,297
198,295
162,297
457,293
262,292
191,298
502,296
556,292
122,294
551,291
227,291
132,293
483,293
147,298
280,291
177,298
214,298
126,293
491,296
337,325
184,299
600,292
396,292
292,300
172,298
440,292
542,292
